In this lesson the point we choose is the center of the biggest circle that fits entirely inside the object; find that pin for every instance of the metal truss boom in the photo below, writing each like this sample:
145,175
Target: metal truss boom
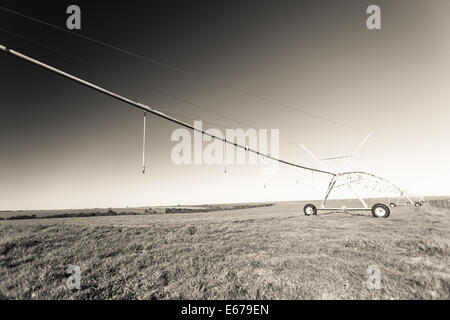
150,109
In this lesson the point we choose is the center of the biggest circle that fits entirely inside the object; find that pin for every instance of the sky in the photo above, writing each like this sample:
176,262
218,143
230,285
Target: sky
311,69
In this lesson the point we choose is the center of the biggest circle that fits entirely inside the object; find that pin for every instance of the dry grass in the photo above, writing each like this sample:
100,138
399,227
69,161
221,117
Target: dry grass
260,253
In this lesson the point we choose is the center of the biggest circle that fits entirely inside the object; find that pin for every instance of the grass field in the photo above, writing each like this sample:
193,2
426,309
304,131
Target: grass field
273,252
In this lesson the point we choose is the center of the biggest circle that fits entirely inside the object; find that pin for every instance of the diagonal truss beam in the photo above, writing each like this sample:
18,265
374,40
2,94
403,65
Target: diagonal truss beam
150,109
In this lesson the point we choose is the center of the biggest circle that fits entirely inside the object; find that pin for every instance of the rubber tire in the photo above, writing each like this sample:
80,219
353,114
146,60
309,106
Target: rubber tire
381,205
417,204
392,204
313,207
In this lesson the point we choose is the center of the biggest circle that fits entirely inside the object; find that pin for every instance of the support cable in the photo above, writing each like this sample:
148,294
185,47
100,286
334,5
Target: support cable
177,69
176,97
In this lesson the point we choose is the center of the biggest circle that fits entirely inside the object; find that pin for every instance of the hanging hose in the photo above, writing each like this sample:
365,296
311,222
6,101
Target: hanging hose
143,143
224,157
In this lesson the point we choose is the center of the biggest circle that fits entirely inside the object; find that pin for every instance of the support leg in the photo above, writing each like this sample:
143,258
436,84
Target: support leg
330,187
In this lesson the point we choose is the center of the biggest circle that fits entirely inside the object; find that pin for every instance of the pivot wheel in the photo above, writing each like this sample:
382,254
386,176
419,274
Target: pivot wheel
417,204
393,204
310,209
380,210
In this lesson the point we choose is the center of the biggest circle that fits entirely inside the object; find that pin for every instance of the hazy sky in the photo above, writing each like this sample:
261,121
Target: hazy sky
65,146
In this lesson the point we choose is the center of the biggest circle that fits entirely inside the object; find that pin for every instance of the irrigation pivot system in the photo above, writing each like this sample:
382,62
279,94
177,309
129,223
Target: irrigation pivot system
348,179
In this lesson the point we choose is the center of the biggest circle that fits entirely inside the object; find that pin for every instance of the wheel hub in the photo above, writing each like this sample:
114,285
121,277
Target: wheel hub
380,212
